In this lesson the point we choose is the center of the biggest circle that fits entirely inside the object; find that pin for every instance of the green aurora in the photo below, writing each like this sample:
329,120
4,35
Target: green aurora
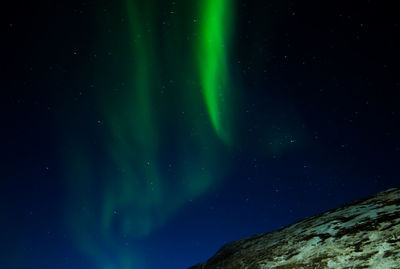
165,130
212,61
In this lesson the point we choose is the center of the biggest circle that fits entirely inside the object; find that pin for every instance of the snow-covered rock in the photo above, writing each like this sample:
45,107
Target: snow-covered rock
362,234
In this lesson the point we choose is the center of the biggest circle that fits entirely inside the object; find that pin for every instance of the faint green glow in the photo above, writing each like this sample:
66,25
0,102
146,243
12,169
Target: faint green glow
215,28
156,151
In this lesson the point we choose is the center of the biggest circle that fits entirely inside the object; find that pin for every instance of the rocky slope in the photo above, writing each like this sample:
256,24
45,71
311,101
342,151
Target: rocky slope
361,234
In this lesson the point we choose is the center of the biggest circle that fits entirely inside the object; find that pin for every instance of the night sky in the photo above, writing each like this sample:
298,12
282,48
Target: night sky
147,134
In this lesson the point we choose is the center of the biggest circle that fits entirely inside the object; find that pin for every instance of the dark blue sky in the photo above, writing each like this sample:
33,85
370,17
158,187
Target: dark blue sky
318,125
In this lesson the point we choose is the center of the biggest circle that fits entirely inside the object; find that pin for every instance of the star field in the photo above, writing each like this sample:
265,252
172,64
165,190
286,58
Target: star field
148,134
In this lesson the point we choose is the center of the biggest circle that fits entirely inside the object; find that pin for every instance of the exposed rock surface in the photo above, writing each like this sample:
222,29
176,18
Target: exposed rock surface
361,234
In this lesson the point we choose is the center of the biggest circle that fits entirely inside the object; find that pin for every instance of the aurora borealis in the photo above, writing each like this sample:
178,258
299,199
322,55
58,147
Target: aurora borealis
215,27
135,192
147,134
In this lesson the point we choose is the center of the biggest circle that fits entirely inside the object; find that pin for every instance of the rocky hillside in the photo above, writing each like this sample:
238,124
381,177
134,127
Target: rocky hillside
361,234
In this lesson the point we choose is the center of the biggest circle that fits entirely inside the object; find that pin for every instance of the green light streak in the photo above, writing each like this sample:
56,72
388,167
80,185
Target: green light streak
160,145
216,21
